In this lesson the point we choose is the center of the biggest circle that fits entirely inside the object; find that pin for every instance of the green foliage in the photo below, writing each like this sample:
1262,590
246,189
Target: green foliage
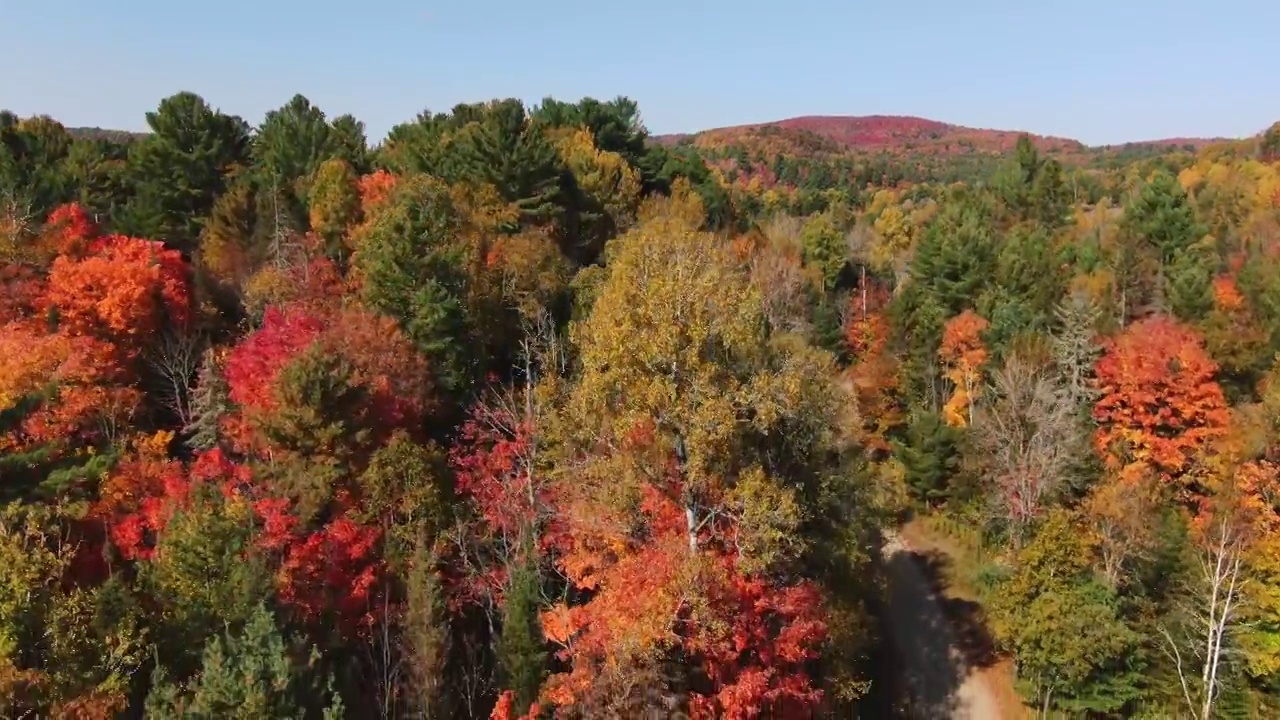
290,145
1075,653
252,673
69,641
180,168
413,270
210,403
929,457
1162,216
522,656
509,152
204,577
319,426
824,249
403,492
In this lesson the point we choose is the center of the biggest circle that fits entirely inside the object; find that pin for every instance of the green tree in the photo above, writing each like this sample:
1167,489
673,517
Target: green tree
929,457
333,204
350,144
413,268
204,576
509,152
1075,653
824,249
1163,219
253,673
522,656
290,145
181,167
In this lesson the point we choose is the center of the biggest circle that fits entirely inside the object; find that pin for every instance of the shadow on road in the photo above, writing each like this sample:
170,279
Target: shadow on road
939,640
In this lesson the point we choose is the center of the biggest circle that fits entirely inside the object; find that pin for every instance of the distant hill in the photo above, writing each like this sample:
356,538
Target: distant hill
899,133
96,133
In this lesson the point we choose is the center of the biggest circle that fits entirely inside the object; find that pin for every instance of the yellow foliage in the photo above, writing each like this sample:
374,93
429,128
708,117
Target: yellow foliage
684,208
603,176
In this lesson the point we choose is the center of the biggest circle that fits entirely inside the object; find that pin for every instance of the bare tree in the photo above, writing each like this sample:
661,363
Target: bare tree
175,360
1212,611
776,269
1028,435
17,225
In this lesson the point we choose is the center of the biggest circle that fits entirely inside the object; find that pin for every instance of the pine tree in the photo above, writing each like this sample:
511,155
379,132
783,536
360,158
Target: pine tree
513,155
928,456
251,674
520,649
181,167
413,271
1075,349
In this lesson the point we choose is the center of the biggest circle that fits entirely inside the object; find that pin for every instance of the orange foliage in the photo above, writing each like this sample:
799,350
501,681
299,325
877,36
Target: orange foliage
374,189
86,373
1226,295
963,354
1159,401
874,372
125,290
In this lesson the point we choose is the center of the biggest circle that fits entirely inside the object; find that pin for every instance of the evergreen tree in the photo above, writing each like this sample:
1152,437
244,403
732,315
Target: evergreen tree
350,144
512,154
929,456
180,168
520,649
413,270
210,402
1163,219
251,674
291,143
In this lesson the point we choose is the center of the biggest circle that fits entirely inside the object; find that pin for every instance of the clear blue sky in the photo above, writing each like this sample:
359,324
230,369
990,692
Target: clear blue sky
1100,71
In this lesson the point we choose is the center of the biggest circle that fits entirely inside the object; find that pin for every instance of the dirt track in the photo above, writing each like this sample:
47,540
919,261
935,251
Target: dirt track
939,682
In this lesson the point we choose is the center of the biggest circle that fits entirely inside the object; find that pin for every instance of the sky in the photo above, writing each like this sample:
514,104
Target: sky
1101,71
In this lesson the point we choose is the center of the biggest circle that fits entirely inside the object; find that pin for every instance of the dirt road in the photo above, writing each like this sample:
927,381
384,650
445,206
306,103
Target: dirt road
939,680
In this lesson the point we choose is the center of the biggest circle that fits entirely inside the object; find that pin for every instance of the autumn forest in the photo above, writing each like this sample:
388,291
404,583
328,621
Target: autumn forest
520,412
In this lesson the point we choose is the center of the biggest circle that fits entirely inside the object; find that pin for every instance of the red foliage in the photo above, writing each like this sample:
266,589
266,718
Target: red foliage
21,290
91,395
253,365
331,574
756,661
1160,403
890,132
140,497
751,637
489,463
384,363
68,231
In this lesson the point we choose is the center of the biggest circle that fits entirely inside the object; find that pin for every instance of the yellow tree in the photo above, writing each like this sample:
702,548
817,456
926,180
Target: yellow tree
605,193
686,453
334,203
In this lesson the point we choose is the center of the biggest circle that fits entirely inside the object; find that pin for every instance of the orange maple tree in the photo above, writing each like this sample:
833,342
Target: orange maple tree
963,355
1160,403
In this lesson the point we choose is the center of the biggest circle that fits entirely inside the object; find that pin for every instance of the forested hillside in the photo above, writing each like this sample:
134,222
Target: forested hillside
519,414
